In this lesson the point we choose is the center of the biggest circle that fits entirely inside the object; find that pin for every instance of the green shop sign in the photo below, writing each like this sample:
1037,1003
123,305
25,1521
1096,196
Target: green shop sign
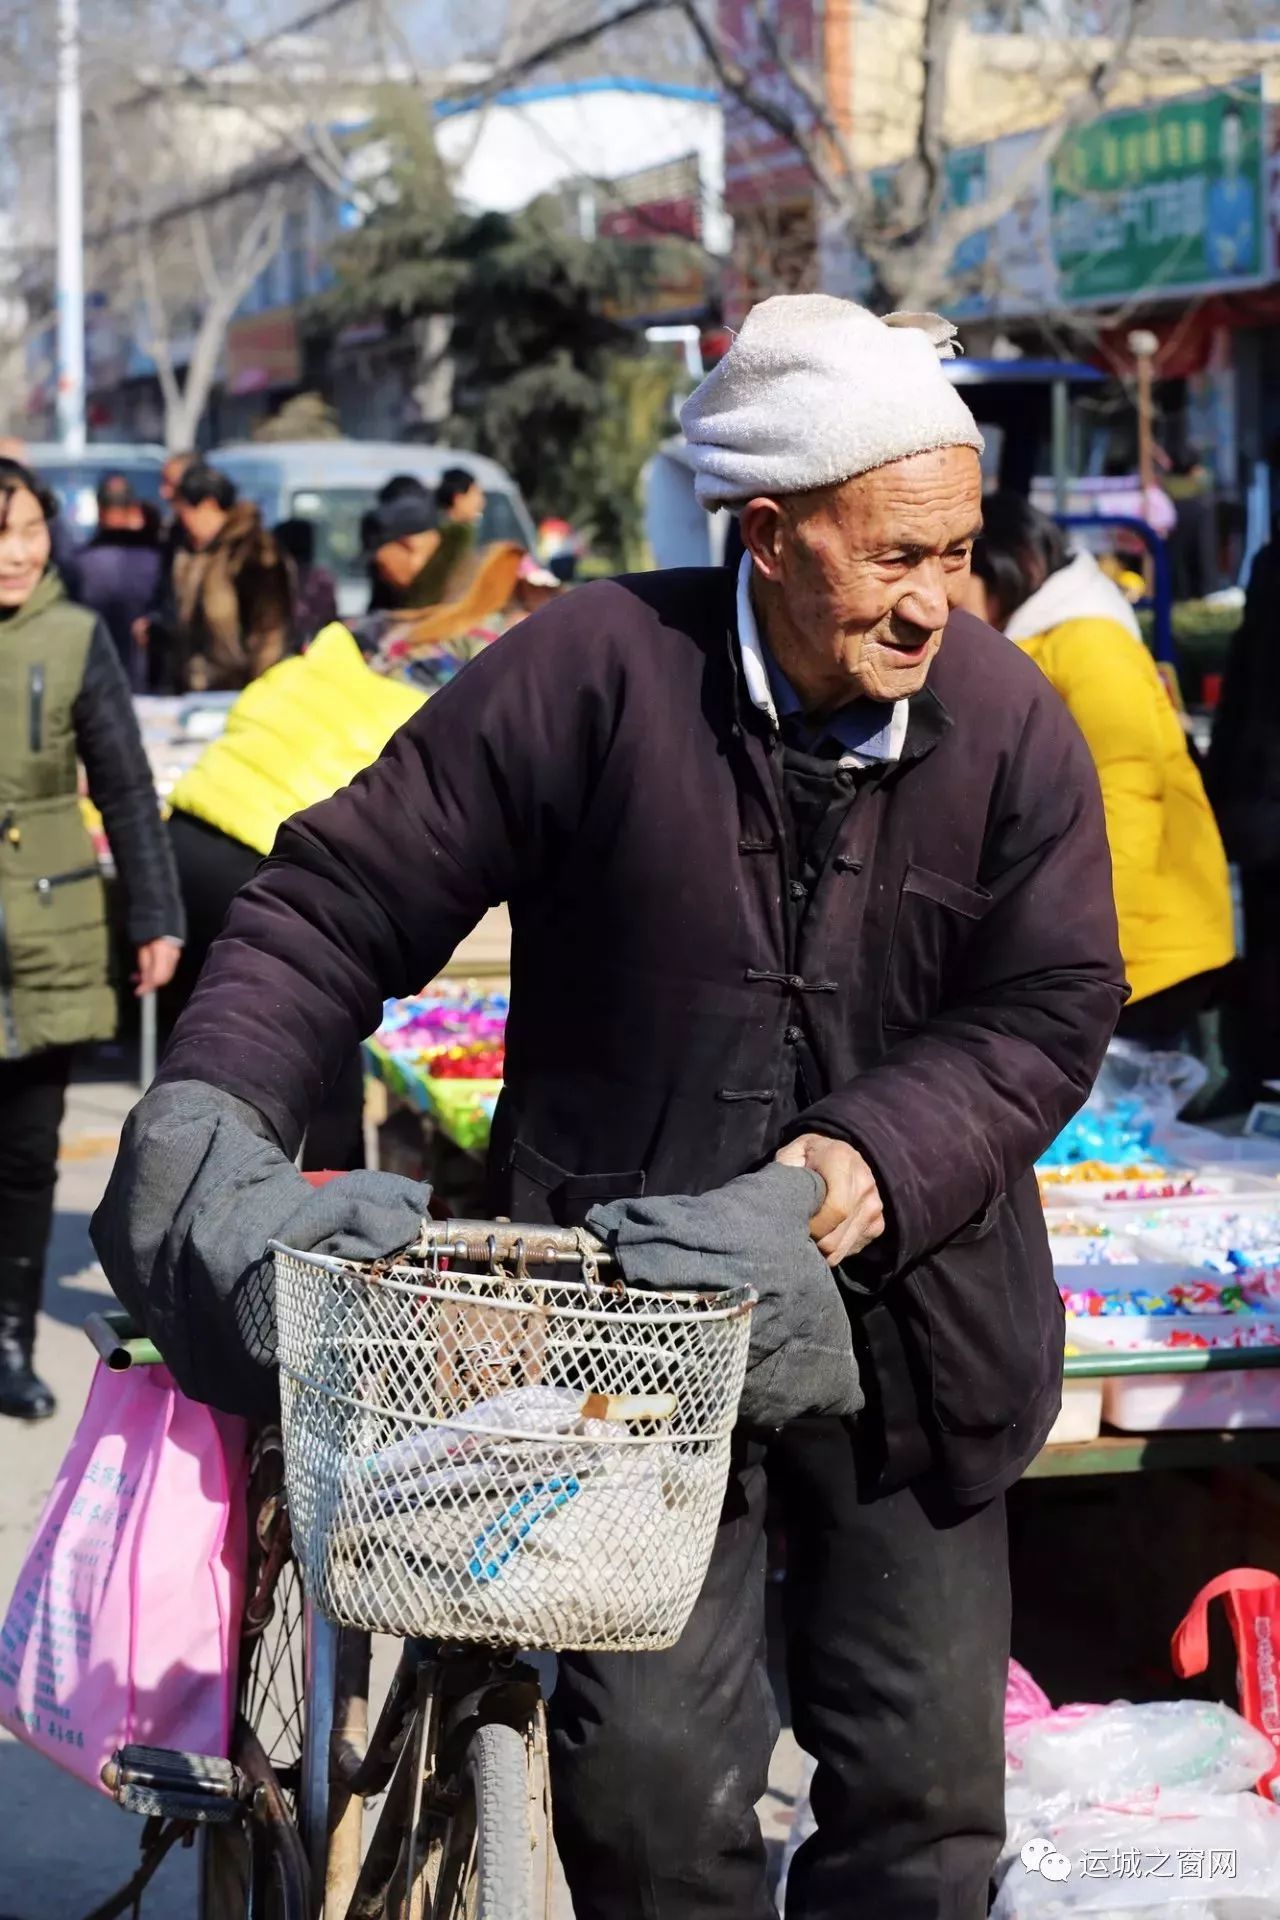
1168,196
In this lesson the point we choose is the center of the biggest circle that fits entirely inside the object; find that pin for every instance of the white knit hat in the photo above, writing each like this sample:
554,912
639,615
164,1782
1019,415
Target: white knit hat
815,390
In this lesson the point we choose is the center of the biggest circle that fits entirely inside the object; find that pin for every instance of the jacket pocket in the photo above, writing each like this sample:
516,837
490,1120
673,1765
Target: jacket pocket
57,927
935,919
541,1192
991,1324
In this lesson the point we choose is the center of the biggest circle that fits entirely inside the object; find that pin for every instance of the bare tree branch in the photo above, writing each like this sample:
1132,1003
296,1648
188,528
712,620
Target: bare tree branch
852,178
201,248
571,40
734,78
160,343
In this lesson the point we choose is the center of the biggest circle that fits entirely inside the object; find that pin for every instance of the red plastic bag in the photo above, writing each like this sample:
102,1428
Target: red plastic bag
1252,1599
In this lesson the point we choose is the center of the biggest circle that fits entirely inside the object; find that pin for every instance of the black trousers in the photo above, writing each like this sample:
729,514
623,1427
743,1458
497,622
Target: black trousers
897,1623
33,1094
1251,1027
1167,1019
212,868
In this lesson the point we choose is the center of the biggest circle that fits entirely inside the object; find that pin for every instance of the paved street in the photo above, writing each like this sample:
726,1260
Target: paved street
62,1848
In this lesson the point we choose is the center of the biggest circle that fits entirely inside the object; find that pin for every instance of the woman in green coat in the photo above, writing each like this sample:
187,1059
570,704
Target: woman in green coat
63,699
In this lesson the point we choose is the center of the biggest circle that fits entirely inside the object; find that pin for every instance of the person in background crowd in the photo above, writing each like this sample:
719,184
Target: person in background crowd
383,595
461,501
316,590
1243,778
399,485
153,634
63,697
225,814
1173,896
1189,485
232,599
460,498
401,538
119,573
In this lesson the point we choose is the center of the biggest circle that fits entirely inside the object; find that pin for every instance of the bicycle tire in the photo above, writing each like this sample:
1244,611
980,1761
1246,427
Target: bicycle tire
487,1851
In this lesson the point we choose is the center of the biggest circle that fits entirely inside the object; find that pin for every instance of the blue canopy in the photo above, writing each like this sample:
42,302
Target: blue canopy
1009,373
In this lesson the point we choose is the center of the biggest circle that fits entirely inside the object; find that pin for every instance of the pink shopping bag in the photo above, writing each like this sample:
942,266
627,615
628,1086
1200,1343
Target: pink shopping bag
124,1625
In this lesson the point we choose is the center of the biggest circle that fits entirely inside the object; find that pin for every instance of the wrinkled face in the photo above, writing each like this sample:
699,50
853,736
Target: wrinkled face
856,582
24,547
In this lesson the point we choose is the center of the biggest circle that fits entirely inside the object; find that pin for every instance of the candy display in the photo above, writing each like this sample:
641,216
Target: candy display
1222,1240
1105,1142
1178,1300
1094,1173
1101,1252
442,1052
1165,1190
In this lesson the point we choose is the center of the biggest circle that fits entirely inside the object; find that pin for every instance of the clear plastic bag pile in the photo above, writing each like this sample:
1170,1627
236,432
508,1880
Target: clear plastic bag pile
1124,1810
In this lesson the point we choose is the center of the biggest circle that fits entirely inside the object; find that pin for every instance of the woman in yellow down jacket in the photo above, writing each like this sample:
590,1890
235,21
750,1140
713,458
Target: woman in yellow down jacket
294,737
1173,896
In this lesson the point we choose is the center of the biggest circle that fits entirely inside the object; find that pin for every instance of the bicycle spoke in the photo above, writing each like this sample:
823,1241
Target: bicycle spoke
274,1696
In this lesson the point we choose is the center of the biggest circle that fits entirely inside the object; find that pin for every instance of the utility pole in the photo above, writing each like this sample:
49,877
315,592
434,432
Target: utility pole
70,233
1144,346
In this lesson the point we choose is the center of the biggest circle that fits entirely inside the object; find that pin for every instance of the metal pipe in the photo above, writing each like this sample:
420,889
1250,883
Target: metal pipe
1092,1366
118,1343
148,1025
70,233
1061,444
346,1809
320,1664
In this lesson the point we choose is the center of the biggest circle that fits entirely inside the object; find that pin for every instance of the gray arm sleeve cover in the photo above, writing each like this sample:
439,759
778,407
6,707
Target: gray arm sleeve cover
199,1188
753,1232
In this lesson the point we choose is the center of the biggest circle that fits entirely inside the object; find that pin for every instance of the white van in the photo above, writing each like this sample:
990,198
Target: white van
333,483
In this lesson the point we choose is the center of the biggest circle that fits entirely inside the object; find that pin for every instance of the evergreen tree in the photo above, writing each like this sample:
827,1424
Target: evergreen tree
533,335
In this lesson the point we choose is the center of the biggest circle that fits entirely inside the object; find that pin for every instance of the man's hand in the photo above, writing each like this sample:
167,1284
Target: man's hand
852,1215
157,963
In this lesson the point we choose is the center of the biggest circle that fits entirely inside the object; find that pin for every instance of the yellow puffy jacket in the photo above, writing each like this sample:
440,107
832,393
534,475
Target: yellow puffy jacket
293,737
1173,897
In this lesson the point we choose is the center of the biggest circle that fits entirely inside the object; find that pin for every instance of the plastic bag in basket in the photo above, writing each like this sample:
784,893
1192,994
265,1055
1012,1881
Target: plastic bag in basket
563,1520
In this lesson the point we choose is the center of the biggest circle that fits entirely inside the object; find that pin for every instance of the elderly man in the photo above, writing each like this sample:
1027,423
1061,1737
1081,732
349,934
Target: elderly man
803,866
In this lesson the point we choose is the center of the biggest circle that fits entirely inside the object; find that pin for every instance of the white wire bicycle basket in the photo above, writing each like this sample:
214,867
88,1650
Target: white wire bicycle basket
488,1440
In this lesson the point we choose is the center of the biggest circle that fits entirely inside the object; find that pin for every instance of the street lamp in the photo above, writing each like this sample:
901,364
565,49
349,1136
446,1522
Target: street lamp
70,233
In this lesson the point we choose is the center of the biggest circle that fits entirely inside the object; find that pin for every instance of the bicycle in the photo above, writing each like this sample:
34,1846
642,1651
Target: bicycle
488,1446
